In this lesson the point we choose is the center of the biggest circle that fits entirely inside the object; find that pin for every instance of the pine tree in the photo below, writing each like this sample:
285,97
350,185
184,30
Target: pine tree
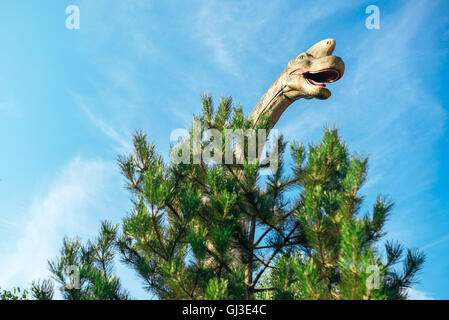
91,267
223,231
208,231
14,294
192,234
337,257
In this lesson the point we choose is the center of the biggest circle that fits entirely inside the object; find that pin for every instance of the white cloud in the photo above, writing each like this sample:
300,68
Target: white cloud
418,295
436,242
123,144
238,32
64,209
7,107
231,28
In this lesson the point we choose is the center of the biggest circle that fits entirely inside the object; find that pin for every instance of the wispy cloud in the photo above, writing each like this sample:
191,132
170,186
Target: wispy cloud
120,139
7,107
7,224
231,28
418,295
62,210
437,242
238,32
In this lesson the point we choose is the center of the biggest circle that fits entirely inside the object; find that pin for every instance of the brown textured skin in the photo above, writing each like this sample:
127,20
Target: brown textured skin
291,85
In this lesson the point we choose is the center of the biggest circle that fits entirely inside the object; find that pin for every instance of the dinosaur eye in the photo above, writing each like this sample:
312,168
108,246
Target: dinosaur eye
301,57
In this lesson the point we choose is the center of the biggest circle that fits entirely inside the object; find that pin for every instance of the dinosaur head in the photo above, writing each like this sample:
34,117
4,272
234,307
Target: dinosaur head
308,73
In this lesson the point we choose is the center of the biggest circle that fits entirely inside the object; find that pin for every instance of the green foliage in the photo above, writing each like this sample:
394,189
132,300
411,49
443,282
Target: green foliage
14,294
206,231
43,289
217,289
192,234
337,257
95,263
203,230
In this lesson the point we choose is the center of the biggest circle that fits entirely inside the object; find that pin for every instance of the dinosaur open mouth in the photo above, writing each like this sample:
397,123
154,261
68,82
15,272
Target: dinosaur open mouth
319,78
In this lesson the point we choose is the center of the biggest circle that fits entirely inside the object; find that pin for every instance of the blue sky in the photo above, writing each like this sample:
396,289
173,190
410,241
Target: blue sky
71,99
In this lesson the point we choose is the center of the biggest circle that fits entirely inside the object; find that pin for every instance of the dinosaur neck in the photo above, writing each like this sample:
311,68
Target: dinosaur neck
274,102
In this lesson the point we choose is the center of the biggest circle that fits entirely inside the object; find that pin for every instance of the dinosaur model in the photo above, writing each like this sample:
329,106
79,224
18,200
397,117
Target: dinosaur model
304,77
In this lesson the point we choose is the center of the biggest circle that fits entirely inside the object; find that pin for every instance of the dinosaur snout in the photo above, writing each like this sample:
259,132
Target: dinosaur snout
333,63
323,48
309,72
